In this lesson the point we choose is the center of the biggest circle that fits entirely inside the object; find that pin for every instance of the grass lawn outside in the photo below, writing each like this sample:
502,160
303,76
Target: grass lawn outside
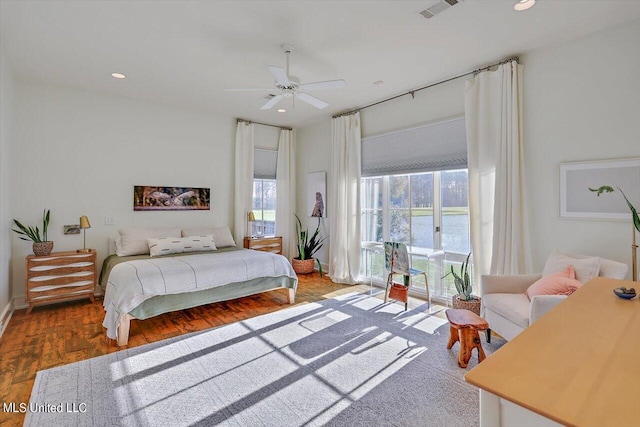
269,215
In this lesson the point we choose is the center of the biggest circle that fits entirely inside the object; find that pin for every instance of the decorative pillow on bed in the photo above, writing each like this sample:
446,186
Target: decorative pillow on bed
586,268
178,245
221,235
133,241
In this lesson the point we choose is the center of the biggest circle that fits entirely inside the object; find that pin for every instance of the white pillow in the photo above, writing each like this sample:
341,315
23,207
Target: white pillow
133,241
221,235
586,268
178,245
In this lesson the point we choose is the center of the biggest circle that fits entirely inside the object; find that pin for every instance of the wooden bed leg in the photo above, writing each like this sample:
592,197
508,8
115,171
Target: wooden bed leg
123,330
292,296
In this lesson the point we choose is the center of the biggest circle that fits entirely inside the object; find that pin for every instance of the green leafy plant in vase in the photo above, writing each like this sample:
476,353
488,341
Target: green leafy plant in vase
41,244
462,281
307,244
636,224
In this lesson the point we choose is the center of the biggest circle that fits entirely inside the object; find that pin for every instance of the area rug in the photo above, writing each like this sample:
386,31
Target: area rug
348,361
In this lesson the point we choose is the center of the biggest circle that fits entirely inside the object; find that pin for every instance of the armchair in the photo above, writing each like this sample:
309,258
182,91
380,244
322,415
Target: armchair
509,311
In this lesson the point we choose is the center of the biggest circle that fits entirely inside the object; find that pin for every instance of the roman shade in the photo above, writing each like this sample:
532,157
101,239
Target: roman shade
438,146
264,163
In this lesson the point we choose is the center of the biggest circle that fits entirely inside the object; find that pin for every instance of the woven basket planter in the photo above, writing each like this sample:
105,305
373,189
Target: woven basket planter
303,266
473,305
42,248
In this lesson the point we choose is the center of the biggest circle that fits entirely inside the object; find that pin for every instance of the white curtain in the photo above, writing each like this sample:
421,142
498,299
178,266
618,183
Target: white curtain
286,193
343,209
243,180
497,199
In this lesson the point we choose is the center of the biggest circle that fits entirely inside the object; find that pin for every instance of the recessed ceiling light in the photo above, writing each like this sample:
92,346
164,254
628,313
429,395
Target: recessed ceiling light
118,76
524,5
281,110
378,82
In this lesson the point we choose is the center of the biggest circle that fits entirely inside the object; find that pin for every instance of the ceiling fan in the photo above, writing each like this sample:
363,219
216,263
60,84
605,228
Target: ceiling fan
290,86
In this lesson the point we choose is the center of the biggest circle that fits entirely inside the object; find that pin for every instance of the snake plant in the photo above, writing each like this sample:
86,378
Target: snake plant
462,281
308,246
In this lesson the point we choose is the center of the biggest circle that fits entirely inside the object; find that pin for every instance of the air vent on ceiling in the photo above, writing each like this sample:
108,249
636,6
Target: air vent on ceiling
438,7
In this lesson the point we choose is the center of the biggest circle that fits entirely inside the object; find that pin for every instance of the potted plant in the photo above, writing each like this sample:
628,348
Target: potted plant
41,245
307,247
464,299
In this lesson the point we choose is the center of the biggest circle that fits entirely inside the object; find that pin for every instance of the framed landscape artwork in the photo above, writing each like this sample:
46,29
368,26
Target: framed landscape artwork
147,198
577,201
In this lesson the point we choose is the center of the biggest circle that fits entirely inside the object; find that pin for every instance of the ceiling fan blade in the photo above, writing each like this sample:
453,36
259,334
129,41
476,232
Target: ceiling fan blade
318,103
249,89
273,101
331,84
280,75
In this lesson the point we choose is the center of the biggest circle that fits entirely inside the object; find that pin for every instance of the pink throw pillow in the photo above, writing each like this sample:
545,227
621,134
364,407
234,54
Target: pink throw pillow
561,283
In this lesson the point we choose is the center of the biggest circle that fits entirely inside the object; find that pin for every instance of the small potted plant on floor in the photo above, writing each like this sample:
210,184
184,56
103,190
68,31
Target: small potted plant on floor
307,247
41,244
464,299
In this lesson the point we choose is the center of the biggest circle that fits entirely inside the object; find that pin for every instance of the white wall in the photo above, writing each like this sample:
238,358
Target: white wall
582,102
313,154
6,132
79,153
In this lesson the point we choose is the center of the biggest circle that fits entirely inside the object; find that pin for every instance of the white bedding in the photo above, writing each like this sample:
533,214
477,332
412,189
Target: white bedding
132,282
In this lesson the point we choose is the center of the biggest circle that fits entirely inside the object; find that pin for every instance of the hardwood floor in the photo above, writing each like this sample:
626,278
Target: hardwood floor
58,334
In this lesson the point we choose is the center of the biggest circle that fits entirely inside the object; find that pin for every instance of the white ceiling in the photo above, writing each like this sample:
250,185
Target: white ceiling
184,53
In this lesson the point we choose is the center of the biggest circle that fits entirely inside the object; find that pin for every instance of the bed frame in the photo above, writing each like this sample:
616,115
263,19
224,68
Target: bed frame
125,325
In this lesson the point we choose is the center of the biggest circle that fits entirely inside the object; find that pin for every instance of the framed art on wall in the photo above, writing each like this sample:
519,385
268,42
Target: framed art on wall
577,201
147,198
316,194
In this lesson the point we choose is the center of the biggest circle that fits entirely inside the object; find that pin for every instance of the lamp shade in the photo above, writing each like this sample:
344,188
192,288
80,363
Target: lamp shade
251,216
84,222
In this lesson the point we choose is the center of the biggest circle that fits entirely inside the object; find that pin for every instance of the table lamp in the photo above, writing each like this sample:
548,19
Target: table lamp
250,218
84,224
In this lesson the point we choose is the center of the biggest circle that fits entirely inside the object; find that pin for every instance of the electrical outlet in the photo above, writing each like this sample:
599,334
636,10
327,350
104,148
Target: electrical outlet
108,220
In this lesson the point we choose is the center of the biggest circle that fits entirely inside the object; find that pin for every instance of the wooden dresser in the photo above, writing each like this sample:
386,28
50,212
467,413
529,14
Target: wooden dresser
60,276
266,244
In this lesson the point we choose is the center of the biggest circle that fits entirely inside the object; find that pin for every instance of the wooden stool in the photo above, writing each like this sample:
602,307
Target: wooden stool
464,327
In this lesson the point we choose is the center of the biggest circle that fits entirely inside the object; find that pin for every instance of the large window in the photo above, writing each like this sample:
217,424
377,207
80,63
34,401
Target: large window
428,212
264,207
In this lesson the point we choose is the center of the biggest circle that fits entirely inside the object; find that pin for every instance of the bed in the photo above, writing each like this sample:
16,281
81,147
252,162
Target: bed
142,286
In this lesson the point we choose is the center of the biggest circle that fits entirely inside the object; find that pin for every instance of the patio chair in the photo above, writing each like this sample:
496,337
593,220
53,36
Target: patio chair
396,261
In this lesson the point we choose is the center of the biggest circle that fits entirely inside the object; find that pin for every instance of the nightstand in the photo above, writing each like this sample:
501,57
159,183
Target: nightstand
265,244
60,276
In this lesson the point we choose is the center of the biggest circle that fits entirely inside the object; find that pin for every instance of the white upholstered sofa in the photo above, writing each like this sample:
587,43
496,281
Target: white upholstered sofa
508,309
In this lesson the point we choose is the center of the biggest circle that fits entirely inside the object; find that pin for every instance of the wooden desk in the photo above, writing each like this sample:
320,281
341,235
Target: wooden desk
579,365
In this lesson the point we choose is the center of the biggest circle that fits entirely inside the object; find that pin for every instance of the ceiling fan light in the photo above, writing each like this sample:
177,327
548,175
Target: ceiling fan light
281,110
523,5
118,76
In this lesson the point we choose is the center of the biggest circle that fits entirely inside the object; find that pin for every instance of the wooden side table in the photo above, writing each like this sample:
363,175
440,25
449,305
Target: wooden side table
60,276
265,244
464,326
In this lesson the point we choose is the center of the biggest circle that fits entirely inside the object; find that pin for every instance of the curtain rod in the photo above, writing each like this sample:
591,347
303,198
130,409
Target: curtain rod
263,124
412,92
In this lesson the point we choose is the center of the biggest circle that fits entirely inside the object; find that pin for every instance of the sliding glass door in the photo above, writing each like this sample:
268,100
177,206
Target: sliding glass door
426,211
